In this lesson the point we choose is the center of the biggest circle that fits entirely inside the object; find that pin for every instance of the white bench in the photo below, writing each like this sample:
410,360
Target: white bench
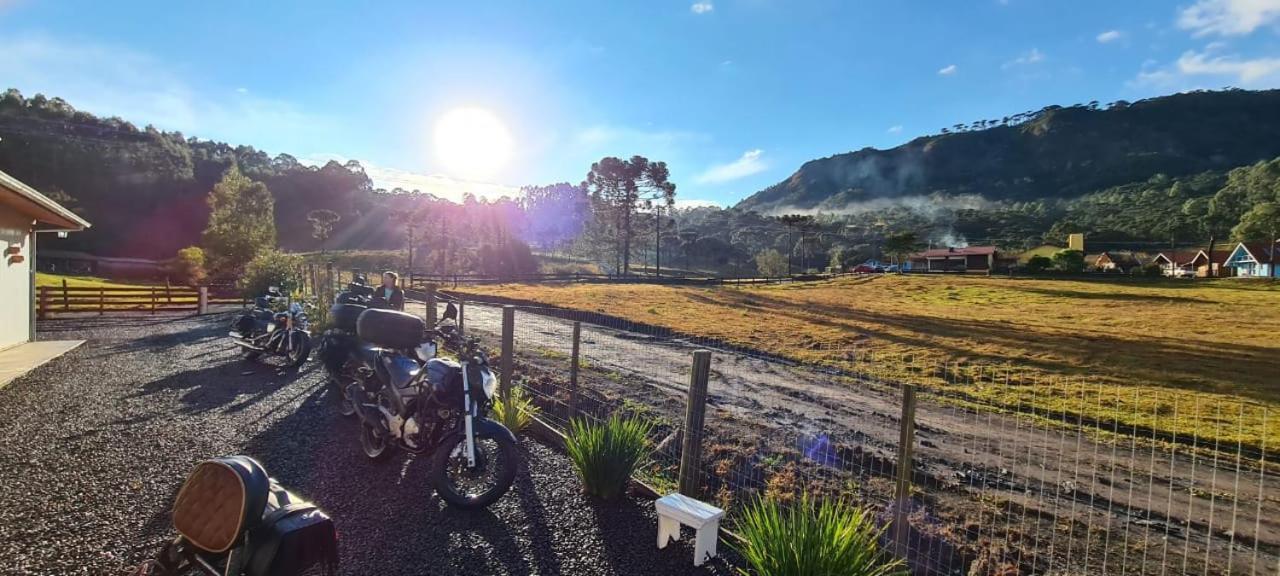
677,509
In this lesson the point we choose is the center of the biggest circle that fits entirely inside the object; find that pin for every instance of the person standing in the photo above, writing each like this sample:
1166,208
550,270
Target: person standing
389,294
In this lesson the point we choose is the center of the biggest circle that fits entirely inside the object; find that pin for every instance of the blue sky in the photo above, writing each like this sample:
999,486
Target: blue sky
733,94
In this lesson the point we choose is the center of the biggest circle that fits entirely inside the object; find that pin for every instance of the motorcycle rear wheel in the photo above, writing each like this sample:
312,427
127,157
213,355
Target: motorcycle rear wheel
497,460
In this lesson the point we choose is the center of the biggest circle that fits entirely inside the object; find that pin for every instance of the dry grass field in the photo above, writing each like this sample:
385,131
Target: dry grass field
1197,359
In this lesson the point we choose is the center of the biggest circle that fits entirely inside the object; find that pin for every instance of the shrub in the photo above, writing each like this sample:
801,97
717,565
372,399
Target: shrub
831,537
1151,270
271,268
187,267
1038,264
607,454
516,411
1069,260
771,263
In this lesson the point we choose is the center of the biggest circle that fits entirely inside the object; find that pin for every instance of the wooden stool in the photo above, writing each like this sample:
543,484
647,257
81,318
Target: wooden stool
677,509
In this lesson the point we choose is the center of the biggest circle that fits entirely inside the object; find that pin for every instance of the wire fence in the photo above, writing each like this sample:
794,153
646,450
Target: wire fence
1026,486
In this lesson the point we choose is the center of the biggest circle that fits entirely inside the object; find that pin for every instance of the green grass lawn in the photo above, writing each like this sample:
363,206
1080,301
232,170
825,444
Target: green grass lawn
1188,357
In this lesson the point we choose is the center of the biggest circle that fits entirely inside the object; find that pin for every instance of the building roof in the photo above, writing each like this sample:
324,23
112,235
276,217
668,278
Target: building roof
1258,250
1176,257
966,251
1219,256
49,215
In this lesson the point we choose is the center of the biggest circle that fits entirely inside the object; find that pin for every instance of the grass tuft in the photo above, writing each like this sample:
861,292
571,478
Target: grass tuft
831,538
607,454
515,412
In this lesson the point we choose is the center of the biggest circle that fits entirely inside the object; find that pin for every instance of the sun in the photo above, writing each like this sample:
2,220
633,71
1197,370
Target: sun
472,143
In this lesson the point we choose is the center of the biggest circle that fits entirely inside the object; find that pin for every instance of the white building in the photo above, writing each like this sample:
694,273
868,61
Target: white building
24,213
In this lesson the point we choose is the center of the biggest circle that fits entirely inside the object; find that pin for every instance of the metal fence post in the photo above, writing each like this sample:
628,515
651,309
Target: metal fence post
573,371
430,316
202,300
906,447
462,316
508,350
694,416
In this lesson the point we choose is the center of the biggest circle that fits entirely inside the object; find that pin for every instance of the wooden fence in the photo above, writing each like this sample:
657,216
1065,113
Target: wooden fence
66,299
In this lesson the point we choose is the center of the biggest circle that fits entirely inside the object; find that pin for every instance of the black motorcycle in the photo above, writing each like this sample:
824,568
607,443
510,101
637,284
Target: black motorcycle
339,348
234,519
264,330
408,399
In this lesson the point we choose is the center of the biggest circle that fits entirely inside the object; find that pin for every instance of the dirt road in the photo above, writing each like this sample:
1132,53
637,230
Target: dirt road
994,490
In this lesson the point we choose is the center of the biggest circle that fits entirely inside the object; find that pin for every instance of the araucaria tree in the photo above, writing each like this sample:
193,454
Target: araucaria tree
241,223
620,188
322,222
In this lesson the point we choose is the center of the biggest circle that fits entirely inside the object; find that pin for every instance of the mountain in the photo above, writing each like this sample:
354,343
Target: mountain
1057,152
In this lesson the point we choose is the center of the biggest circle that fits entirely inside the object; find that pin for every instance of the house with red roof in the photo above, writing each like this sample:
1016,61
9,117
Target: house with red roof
1253,260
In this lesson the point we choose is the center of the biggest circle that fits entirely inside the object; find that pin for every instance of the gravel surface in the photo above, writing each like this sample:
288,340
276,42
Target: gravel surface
97,442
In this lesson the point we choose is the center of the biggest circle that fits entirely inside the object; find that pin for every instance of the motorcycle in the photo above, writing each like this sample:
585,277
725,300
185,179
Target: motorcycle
266,331
234,519
339,349
407,398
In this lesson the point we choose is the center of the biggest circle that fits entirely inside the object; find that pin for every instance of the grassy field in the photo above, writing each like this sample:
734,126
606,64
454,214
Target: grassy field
1198,359
45,279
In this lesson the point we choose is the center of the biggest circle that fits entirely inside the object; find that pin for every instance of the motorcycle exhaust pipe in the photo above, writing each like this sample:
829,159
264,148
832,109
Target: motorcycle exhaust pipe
248,345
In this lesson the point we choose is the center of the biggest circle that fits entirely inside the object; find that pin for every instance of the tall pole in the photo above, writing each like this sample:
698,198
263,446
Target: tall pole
657,243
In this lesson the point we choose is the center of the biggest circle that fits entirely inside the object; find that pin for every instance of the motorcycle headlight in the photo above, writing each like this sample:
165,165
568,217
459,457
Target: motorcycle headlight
489,382
426,351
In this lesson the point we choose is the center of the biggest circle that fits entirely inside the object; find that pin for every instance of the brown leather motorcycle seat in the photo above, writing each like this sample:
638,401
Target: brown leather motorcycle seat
221,499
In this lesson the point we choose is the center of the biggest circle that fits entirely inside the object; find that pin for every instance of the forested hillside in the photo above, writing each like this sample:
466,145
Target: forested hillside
1055,153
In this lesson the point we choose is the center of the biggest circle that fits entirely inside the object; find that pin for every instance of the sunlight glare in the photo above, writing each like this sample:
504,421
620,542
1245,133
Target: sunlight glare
472,143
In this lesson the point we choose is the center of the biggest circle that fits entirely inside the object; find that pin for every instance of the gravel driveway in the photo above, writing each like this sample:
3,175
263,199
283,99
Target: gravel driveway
97,442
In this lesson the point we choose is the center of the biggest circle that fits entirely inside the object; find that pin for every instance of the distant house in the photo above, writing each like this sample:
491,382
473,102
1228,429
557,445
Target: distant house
1253,260
967,259
1202,262
1176,263
1119,261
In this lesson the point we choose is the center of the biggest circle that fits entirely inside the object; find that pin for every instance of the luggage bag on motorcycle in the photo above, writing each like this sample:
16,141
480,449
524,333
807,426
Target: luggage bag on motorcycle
390,329
344,315
294,538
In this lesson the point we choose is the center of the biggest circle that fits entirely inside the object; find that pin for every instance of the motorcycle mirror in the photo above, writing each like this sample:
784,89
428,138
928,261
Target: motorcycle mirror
450,312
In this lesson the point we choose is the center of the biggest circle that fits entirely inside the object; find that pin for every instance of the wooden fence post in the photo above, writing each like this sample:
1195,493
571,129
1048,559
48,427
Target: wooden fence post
168,293
202,300
102,301
694,416
43,310
65,304
431,307
573,371
153,299
508,350
906,447
462,316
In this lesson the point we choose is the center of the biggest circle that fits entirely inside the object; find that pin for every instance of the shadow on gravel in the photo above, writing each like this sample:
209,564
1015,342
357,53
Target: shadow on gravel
220,385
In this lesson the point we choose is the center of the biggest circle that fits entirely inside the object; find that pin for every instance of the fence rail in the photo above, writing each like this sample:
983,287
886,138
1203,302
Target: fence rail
64,299
961,487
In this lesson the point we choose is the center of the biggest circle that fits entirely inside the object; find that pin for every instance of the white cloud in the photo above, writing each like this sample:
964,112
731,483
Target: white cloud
702,7
751,162
1247,71
1228,17
1032,57
114,81
435,184
895,129
242,90
1109,36
948,70
1194,69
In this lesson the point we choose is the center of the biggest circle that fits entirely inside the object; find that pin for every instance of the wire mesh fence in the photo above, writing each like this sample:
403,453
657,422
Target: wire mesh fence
1061,475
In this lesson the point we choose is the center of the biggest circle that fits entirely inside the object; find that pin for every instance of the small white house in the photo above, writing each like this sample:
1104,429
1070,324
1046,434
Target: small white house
24,214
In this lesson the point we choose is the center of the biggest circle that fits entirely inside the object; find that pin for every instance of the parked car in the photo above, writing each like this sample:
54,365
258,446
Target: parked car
867,269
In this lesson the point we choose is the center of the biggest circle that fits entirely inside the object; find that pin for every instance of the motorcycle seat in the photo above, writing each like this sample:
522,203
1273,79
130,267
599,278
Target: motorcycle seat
220,500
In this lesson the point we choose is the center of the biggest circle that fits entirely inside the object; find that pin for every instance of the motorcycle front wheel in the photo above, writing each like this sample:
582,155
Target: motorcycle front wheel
299,348
468,488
